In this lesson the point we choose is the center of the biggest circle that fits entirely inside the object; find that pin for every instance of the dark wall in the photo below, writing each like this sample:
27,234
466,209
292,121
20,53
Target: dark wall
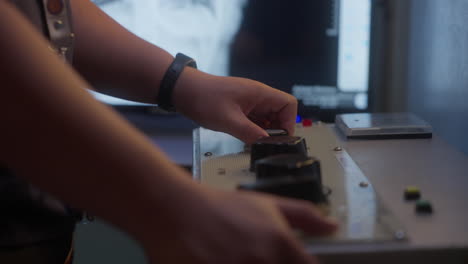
437,76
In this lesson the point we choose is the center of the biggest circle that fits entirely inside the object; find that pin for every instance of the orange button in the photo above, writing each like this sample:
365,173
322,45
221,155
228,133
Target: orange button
55,7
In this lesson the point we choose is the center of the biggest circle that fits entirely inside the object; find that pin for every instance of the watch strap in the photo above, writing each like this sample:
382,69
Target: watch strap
170,78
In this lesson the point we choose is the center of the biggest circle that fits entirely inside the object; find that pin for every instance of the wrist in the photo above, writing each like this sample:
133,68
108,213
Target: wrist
187,91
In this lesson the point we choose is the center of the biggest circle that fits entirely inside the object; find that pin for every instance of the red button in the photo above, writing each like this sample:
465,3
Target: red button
307,122
55,7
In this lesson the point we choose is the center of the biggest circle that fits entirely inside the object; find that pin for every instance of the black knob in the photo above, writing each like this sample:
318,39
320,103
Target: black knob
270,146
291,175
282,165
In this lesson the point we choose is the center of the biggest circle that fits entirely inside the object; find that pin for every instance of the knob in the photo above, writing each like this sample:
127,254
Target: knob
291,175
270,146
296,165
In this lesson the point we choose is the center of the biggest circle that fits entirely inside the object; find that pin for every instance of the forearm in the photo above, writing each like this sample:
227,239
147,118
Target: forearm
108,55
58,137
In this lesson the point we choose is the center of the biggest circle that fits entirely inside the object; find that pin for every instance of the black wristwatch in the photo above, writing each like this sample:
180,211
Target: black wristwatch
169,80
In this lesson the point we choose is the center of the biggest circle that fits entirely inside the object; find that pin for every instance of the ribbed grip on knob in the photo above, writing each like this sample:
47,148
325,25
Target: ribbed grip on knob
290,175
270,146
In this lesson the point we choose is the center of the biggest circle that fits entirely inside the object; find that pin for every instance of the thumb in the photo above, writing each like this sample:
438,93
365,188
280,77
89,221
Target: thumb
305,216
244,129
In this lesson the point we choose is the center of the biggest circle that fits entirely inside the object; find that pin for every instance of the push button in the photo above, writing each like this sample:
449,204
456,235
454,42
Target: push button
298,119
306,122
423,207
412,193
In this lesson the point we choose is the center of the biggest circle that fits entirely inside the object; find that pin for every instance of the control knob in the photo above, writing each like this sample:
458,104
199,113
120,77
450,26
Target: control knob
291,175
275,145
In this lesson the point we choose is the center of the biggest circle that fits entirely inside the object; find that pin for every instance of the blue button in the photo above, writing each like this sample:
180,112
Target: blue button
298,119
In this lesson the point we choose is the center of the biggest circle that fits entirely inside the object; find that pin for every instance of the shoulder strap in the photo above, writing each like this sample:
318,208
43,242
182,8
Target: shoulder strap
59,24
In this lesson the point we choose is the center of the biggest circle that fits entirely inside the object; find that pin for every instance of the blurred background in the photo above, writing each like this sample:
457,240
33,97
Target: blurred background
317,50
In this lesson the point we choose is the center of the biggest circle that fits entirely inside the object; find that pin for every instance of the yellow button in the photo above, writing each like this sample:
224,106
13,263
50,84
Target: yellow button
412,193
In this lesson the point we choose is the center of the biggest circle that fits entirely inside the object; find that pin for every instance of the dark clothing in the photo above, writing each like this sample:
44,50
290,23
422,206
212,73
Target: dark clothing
57,251
27,215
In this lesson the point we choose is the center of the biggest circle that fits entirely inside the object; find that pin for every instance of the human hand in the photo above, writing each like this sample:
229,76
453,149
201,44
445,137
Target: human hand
238,106
239,228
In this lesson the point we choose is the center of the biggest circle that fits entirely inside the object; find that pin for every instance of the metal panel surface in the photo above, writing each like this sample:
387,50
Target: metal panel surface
389,166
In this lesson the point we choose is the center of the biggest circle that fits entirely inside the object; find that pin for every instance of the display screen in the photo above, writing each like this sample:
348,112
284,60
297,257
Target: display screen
316,50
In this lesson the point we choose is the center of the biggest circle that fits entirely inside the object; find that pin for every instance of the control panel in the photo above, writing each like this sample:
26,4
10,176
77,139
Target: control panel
384,193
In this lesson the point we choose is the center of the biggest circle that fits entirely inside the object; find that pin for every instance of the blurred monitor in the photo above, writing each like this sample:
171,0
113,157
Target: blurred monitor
318,50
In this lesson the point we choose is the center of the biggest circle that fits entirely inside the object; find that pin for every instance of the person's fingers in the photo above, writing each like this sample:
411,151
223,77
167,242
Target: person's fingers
244,129
305,216
287,115
280,109
297,253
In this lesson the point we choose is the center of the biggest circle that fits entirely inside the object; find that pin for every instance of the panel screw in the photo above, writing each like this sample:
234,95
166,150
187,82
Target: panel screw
363,184
338,149
208,154
58,24
400,234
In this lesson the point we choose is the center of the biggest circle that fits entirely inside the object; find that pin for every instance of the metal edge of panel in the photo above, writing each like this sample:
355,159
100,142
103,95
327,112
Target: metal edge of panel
196,160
